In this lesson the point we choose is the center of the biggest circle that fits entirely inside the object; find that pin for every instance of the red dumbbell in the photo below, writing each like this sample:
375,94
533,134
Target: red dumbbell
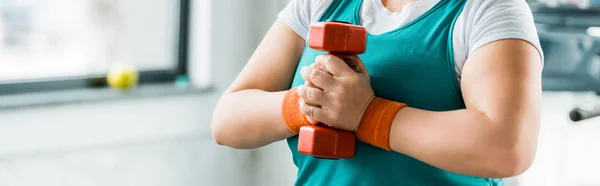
342,40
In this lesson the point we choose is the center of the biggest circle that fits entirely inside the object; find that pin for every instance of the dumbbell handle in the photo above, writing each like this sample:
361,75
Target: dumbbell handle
329,139
349,62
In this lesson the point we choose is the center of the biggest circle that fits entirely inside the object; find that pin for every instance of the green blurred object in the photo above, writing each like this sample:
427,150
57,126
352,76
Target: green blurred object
182,81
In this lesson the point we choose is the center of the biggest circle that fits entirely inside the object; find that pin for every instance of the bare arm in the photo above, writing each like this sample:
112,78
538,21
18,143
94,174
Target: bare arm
496,135
248,115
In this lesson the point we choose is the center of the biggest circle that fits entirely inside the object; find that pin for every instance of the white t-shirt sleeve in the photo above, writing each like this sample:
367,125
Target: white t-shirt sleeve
483,22
300,14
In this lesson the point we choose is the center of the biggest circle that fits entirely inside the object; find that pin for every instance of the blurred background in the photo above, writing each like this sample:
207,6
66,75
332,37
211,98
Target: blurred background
61,125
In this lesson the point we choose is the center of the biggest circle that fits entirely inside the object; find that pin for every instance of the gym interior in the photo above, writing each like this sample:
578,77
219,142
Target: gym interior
121,92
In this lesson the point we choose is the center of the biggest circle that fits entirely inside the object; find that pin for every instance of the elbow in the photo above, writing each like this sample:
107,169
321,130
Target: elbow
513,164
224,130
218,135
221,135
219,129
515,158
227,136
513,147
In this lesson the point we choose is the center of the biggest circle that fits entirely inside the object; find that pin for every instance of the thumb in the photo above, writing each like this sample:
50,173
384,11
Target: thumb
360,65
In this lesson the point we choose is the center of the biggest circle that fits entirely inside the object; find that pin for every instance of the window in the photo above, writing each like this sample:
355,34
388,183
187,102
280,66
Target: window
61,44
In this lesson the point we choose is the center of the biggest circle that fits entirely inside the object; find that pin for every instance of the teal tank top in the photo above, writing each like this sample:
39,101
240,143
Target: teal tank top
412,64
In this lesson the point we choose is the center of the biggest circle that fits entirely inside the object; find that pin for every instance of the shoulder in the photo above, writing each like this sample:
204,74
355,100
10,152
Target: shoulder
500,14
485,21
299,14
507,7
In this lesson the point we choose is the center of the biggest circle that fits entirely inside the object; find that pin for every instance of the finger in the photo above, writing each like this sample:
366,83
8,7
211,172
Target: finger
312,121
320,66
308,119
315,113
313,96
362,68
334,65
320,79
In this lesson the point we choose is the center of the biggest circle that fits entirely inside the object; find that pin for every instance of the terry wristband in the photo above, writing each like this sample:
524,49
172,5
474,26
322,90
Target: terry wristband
377,120
292,116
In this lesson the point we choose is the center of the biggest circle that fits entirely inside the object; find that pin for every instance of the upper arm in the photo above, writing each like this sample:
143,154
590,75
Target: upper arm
272,66
502,74
503,81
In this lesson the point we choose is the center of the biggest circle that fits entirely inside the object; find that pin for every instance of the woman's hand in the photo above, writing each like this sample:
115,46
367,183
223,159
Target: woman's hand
338,95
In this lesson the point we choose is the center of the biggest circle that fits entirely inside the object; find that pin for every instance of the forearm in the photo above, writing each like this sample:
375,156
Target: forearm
249,119
462,141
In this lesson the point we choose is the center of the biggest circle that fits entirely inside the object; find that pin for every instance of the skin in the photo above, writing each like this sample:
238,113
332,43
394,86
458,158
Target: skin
236,122
495,136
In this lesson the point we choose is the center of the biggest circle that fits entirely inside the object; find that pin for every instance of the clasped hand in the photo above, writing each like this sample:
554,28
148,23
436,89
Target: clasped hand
335,94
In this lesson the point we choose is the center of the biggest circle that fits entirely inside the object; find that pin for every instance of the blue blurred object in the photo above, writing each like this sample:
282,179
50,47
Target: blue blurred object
572,49
571,54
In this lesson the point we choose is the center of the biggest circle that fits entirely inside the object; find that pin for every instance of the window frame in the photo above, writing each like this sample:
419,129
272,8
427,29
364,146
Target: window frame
99,81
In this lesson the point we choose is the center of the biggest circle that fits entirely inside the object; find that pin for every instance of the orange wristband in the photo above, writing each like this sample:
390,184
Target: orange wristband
290,109
375,125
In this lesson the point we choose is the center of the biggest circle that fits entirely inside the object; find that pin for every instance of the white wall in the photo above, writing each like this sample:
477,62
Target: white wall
155,141
136,142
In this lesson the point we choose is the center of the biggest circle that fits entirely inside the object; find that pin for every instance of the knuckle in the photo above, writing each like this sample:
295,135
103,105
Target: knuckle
325,58
332,58
303,108
303,71
355,79
315,74
329,57
307,111
309,94
352,82
302,92
321,58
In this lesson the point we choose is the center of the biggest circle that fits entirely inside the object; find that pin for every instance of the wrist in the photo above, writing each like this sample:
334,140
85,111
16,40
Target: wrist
290,109
376,122
362,112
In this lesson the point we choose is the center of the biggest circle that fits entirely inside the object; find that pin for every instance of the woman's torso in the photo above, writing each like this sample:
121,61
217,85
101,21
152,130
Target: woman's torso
412,64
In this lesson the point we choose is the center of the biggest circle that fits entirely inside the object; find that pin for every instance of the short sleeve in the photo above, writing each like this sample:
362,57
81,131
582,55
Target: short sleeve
489,21
300,14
